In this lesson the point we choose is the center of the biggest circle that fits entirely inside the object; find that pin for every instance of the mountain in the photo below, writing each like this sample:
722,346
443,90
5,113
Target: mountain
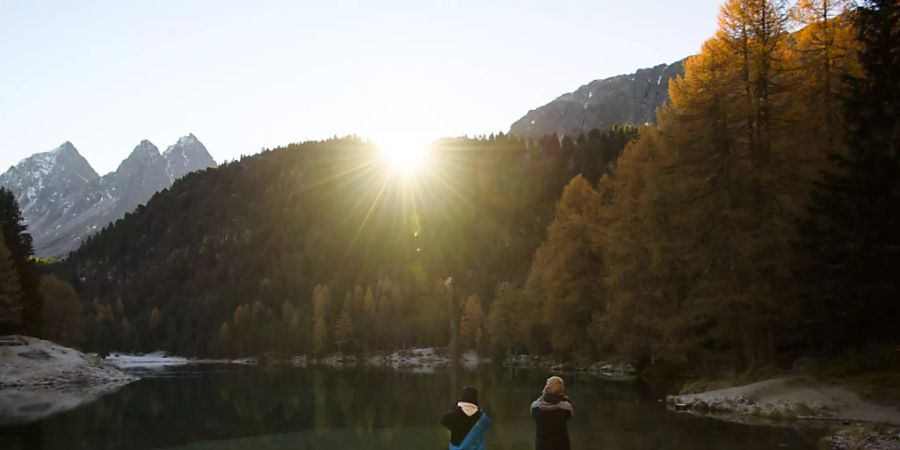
227,261
187,155
623,99
64,200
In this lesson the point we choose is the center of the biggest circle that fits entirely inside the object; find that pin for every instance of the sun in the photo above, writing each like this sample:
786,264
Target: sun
404,155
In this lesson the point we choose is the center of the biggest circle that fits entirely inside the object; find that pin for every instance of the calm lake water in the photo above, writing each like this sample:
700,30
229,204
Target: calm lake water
233,407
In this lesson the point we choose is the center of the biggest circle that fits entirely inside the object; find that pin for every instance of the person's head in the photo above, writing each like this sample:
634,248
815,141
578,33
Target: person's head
555,385
469,395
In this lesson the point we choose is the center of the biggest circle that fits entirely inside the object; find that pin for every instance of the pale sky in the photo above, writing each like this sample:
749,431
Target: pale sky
244,75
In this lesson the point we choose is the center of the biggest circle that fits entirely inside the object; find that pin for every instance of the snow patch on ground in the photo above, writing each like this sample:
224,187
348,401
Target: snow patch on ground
28,362
149,360
786,399
416,359
160,360
39,378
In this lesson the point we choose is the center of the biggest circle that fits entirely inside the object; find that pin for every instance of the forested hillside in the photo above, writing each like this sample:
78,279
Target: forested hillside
758,221
319,246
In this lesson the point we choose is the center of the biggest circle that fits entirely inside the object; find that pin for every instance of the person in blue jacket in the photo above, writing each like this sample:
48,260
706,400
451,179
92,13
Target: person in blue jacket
467,422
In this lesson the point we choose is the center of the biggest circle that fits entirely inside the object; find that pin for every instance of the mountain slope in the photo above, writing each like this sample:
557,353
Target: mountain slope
64,200
185,156
227,260
623,99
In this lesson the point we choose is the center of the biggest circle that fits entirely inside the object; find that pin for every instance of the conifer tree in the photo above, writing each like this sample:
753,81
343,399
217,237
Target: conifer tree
643,280
566,272
344,333
471,323
154,320
18,241
10,293
824,55
503,317
223,340
852,236
62,315
321,299
368,320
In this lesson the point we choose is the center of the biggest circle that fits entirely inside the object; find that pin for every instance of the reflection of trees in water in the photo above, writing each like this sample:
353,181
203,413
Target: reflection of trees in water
368,409
322,421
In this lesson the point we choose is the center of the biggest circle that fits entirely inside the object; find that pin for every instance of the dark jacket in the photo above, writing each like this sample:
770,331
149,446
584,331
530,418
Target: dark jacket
551,414
459,424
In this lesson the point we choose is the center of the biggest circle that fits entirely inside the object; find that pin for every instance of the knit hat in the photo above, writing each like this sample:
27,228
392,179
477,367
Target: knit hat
469,395
555,385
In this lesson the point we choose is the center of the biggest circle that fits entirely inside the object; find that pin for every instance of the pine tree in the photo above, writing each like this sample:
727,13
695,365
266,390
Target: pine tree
18,241
566,272
367,327
824,54
643,320
344,333
321,300
223,340
503,318
154,320
10,293
471,323
241,319
62,315
853,233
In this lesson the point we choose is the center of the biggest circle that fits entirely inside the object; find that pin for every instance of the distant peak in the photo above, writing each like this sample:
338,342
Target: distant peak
188,143
65,147
145,147
190,138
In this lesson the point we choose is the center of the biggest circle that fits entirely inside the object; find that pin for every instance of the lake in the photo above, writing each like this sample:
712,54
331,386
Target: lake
243,407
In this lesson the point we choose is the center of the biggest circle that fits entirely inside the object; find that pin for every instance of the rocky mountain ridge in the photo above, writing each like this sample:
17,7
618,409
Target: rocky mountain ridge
64,200
624,99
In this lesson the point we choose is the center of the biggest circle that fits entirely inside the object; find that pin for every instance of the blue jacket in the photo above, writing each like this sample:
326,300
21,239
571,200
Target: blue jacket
475,439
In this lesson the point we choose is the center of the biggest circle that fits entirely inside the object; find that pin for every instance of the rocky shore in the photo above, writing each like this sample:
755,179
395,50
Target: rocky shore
39,378
786,399
857,423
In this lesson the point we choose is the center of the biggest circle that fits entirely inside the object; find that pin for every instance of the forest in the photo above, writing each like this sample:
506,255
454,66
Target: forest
757,221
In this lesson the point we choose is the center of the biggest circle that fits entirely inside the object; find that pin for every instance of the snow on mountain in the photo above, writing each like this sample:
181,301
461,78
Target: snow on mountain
64,200
186,156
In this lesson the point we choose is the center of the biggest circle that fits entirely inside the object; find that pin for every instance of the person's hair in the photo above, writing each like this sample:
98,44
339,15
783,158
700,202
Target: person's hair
555,385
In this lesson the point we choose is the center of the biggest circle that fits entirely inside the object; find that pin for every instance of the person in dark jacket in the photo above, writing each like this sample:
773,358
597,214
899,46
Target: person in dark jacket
467,423
551,413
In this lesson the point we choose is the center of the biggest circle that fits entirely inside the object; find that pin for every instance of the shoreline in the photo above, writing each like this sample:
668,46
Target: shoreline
39,378
855,422
415,360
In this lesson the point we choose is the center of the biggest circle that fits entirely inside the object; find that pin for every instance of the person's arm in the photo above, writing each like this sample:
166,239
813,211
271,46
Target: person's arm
445,421
569,409
487,423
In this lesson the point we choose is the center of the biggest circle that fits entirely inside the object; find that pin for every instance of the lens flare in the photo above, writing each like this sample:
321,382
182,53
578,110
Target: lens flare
407,156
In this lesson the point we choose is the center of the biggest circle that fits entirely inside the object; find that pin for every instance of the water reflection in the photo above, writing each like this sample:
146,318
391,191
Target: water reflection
237,407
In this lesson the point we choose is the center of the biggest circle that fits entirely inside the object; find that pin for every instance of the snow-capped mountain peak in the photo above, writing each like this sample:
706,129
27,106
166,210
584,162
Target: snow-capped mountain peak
64,200
185,156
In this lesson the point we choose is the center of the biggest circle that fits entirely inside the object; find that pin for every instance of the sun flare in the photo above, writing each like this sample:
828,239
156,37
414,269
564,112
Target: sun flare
408,156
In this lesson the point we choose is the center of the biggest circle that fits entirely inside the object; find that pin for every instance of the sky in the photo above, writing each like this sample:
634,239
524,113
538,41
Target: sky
248,75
